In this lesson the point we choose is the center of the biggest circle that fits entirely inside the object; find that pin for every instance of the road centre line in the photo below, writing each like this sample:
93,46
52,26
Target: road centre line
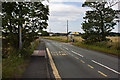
55,71
90,66
102,73
106,67
77,54
82,61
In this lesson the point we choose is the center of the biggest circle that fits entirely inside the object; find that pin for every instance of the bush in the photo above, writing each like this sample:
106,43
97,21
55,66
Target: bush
90,38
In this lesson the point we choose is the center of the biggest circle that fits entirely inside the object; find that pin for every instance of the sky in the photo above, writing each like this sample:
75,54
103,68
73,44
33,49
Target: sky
71,10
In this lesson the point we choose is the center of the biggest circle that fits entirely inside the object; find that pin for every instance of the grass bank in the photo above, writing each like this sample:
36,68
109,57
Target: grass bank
106,47
14,65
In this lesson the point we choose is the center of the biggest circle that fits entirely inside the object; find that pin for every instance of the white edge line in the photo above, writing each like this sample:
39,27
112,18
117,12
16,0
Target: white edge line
77,54
106,67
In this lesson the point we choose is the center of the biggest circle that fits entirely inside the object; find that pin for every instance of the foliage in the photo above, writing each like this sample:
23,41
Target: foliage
32,17
10,65
99,22
44,33
14,65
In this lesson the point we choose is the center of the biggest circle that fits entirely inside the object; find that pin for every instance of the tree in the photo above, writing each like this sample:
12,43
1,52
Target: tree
38,16
99,22
32,16
44,33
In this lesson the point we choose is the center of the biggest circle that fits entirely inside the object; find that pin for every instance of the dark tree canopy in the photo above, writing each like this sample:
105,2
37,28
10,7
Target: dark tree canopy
99,22
32,16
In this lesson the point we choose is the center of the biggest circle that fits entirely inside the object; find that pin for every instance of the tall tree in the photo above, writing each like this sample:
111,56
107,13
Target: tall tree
99,22
32,16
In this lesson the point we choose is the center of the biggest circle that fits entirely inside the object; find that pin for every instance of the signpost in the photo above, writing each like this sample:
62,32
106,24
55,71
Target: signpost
20,28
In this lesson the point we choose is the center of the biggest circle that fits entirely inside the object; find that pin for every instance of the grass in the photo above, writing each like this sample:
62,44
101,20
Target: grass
57,38
13,66
104,49
10,67
111,47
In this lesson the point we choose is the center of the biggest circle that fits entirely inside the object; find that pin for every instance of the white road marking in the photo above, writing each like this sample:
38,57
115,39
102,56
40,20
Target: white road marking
77,54
66,48
106,67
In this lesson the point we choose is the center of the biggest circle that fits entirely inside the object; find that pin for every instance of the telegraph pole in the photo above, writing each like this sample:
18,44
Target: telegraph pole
20,29
67,30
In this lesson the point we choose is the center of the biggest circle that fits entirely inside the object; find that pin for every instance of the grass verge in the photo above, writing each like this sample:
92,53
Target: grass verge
13,66
98,48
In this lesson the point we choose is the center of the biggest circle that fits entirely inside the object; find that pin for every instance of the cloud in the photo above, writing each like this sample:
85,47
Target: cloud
64,7
117,29
62,12
67,1
61,26
45,2
115,7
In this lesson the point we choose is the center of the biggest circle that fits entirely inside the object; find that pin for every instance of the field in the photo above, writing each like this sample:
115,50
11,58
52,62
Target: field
78,38
112,46
114,39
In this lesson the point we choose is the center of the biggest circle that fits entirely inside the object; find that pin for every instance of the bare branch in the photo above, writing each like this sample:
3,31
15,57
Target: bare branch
111,3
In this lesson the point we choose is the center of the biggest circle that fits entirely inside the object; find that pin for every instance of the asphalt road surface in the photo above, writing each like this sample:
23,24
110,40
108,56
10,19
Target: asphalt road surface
75,62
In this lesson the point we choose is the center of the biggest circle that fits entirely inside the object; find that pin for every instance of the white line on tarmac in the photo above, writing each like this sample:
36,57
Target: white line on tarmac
106,67
77,54
67,48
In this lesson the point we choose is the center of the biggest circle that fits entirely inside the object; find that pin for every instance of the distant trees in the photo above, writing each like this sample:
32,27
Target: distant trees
114,34
32,16
44,33
99,22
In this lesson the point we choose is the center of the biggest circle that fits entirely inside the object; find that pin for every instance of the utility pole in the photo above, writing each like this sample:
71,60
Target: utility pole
20,27
67,30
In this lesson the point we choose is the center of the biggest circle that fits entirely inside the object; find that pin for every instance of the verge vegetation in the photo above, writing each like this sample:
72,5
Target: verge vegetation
22,23
14,65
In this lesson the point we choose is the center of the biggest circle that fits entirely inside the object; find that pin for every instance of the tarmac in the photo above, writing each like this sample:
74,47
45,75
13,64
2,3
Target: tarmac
38,66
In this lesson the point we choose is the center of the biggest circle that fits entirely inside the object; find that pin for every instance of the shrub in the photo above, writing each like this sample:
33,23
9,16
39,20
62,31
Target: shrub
93,38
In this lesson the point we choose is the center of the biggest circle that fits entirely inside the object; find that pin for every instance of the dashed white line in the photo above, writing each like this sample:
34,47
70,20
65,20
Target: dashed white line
106,67
77,54
66,48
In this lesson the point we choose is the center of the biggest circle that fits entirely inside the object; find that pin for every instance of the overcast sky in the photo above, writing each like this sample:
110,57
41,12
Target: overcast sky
71,10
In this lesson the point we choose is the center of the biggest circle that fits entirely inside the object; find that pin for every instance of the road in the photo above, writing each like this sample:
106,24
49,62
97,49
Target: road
75,62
